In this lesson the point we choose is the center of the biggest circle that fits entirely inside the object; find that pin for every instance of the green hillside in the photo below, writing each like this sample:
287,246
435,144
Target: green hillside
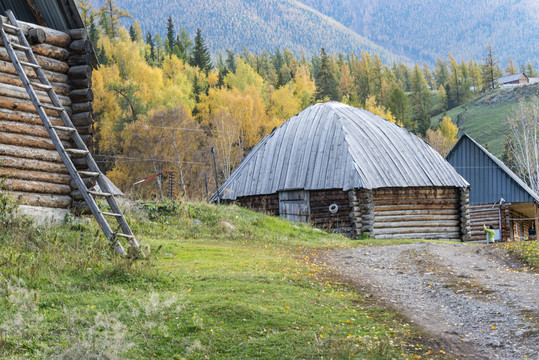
484,118
254,25
425,30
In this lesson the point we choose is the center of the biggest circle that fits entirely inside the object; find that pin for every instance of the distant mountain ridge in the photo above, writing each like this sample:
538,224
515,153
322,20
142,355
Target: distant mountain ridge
424,30
254,25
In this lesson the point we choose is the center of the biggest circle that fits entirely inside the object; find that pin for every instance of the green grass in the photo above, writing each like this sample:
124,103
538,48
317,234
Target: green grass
205,291
484,123
526,251
484,118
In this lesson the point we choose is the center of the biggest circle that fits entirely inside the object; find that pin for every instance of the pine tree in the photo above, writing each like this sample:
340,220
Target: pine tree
201,55
421,101
93,32
171,35
132,33
326,82
112,14
441,72
510,69
230,61
150,42
455,83
530,71
489,69
508,156
398,104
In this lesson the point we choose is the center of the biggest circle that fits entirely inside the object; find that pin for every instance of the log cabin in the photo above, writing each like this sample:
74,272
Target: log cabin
513,80
347,170
34,172
491,181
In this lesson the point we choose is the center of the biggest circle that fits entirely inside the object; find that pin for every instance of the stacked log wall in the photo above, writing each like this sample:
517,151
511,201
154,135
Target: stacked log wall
35,173
321,216
520,228
418,213
486,215
362,212
268,204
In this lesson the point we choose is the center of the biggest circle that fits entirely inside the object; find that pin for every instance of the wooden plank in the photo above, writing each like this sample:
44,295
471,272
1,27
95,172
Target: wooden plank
35,11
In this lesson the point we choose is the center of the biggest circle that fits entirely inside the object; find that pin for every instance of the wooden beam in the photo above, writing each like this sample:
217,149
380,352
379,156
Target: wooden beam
536,210
35,11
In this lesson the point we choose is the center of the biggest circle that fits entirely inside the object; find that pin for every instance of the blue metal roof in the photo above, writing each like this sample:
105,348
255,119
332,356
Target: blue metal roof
335,146
489,177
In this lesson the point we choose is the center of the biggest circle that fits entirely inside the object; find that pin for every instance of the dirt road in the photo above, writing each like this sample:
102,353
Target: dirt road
477,300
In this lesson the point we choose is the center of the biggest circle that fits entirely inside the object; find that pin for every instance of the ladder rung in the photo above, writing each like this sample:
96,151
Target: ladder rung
77,151
51,107
111,214
125,236
20,47
98,193
65,128
12,27
25,63
41,86
89,173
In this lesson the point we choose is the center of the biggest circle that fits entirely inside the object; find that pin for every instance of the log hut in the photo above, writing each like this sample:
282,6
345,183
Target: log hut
350,171
498,197
35,174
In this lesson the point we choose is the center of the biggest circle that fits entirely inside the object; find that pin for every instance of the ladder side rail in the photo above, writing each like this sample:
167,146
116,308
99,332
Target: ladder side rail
52,133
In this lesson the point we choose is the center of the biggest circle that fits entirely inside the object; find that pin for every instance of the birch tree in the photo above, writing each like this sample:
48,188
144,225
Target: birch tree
524,127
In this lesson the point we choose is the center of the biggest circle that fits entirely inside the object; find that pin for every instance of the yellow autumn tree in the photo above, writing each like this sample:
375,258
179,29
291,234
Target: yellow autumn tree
372,105
164,140
443,139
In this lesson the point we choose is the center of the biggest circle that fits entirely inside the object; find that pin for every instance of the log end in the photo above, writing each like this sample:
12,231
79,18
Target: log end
36,36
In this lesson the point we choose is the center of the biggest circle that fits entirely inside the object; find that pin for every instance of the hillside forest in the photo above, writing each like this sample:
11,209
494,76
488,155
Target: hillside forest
162,102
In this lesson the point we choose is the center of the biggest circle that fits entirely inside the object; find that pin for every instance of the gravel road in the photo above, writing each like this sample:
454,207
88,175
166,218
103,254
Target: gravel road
477,300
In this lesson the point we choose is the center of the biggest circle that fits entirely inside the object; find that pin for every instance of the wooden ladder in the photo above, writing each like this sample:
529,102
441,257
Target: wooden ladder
81,150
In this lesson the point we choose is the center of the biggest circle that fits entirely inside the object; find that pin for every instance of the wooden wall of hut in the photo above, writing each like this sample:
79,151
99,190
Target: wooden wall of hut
336,219
268,204
486,215
35,173
419,213
520,228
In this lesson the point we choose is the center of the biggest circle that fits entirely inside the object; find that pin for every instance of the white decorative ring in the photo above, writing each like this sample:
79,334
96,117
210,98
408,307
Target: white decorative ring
333,208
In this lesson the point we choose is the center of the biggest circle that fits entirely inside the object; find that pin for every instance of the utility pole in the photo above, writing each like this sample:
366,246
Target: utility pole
215,173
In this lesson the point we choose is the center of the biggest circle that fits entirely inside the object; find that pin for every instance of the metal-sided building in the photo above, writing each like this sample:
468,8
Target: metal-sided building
491,181
347,170
35,173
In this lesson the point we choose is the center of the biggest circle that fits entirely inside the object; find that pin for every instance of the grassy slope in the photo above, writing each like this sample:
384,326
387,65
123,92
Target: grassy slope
484,118
205,292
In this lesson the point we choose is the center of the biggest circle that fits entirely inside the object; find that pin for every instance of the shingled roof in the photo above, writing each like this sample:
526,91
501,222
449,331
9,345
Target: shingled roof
335,146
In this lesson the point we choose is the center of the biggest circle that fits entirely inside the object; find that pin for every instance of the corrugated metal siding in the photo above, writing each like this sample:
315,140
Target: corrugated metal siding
489,177
335,146
59,14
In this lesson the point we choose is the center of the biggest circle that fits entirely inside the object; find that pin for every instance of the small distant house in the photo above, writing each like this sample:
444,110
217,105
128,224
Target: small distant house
498,197
513,80
348,170
36,175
